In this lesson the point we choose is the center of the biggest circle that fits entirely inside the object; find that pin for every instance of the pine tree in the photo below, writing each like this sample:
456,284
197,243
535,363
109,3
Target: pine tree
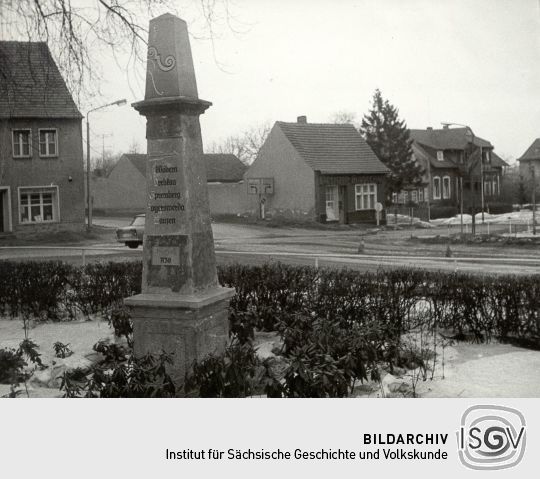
388,137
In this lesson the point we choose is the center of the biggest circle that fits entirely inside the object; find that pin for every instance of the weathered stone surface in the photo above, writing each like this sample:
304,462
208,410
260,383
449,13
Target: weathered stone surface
170,69
182,309
188,333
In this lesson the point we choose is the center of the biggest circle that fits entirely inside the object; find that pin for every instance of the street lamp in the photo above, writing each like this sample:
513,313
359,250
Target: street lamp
470,133
532,171
88,196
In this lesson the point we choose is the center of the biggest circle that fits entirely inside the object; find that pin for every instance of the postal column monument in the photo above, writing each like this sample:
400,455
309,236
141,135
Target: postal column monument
181,309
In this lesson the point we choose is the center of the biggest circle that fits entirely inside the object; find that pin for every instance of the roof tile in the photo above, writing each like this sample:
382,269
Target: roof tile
333,149
31,85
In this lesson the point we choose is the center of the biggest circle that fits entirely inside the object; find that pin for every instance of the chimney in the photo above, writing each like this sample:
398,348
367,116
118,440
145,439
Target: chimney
302,119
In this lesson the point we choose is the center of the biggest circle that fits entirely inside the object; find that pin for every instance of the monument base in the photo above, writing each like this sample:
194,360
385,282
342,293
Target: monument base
188,326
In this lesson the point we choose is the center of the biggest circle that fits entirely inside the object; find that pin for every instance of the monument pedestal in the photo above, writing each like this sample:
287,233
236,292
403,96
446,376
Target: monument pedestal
182,309
188,326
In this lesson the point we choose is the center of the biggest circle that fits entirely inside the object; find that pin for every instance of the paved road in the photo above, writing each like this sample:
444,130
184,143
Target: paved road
254,244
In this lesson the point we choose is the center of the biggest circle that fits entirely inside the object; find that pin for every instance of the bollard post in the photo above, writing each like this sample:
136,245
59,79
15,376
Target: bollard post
83,257
316,262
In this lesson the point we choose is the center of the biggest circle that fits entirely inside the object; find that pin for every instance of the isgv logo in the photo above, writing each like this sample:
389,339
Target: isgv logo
491,437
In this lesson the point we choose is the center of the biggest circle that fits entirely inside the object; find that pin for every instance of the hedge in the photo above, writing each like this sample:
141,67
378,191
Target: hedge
268,296
56,290
397,300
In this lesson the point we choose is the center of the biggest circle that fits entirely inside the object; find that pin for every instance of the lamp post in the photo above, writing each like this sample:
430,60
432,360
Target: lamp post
533,178
471,180
88,196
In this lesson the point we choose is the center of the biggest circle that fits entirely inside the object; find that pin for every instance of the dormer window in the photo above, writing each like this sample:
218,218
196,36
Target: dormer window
440,155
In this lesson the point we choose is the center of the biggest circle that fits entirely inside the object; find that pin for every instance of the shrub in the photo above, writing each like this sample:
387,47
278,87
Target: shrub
133,377
51,289
232,374
12,366
497,208
436,212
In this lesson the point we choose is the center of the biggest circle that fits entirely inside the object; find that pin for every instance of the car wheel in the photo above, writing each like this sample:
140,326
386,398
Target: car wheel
132,244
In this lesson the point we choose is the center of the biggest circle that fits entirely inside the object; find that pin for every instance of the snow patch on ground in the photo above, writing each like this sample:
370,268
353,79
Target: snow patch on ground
470,370
80,335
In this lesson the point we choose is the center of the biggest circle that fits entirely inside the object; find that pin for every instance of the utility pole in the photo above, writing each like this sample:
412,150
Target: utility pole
88,166
103,136
533,176
469,168
461,201
482,180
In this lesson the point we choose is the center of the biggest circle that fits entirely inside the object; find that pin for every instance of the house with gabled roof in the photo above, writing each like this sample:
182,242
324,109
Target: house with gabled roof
529,162
317,171
448,157
41,155
124,189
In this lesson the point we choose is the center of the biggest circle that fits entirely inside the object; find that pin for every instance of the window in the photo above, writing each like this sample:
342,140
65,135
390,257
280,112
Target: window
332,213
421,195
446,187
496,186
394,198
414,196
365,196
436,188
21,143
48,143
38,205
440,155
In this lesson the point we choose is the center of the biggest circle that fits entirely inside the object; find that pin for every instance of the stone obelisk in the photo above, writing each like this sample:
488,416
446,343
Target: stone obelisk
182,309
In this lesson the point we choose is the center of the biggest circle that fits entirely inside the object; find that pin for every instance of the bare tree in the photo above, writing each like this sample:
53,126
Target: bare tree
79,32
344,117
103,165
245,146
134,146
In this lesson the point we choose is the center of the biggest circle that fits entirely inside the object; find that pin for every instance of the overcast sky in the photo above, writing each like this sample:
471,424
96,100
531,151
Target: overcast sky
475,62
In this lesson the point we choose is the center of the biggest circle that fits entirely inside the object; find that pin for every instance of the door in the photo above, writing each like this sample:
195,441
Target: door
332,210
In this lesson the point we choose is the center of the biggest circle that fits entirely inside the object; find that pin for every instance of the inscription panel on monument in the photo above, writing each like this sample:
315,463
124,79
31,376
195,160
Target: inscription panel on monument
166,256
166,200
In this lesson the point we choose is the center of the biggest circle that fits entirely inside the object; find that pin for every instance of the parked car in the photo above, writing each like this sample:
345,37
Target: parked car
132,235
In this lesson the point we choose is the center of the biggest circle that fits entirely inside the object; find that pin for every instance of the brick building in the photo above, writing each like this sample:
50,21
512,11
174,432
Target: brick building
41,156
449,157
322,172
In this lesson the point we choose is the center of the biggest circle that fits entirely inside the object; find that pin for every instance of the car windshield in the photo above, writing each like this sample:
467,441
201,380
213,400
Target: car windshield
138,221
